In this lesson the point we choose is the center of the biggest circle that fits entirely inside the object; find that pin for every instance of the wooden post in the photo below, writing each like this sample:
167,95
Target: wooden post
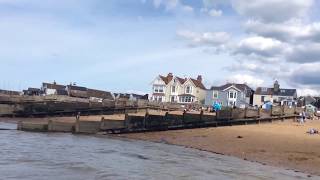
245,112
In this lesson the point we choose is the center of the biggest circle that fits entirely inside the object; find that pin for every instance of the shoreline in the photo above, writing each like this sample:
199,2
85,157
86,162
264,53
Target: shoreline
290,155
279,144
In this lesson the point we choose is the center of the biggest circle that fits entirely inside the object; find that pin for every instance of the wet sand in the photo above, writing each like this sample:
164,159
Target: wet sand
283,144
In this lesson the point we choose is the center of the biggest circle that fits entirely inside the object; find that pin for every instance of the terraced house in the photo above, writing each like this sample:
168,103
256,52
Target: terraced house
172,88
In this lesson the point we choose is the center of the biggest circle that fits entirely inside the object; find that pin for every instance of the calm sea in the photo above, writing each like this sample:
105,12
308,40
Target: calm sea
52,156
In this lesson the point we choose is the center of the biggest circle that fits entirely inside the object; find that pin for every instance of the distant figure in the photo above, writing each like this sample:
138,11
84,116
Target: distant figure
301,119
304,116
78,116
216,106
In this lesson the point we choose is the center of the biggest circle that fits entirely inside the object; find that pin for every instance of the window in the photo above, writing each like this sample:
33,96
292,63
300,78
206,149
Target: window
172,99
158,98
215,94
264,89
173,89
262,98
232,95
158,89
186,99
188,90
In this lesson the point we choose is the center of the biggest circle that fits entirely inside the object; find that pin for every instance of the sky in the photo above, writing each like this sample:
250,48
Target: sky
122,45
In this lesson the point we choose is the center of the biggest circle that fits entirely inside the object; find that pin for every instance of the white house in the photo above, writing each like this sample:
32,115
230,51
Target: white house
180,90
274,95
53,89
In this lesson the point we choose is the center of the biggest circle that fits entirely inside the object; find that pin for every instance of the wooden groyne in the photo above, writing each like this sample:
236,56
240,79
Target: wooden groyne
152,120
50,106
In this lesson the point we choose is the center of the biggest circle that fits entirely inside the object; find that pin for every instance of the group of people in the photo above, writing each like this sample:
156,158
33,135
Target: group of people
304,115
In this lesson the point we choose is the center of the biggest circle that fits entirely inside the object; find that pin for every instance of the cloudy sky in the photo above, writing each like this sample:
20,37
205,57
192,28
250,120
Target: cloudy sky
121,45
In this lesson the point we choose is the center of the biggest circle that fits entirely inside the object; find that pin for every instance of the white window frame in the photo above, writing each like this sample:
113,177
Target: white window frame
234,94
158,89
190,89
173,89
215,94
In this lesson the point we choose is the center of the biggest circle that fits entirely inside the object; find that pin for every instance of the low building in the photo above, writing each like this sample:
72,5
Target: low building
179,90
275,95
130,96
77,91
98,95
305,100
230,94
33,92
53,89
9,92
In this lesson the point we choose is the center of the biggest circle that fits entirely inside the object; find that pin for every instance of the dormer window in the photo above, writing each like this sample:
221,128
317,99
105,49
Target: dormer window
189,90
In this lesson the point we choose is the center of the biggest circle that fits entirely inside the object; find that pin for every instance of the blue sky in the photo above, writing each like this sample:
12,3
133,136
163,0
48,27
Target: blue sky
121,45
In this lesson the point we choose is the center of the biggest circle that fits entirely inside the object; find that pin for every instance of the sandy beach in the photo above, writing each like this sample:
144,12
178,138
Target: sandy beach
283,144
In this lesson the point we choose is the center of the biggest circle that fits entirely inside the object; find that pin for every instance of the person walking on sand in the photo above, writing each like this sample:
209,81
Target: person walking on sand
301,119
304,116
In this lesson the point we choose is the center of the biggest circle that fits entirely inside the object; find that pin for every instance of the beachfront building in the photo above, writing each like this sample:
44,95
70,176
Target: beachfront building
275,95
53,89
174,89
230,94
9,92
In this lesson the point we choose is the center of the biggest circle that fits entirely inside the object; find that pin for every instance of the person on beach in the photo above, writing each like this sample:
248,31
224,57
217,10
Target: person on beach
301,119
304,116
78,116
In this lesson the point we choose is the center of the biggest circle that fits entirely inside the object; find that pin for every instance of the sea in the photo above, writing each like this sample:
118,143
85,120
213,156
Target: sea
65,156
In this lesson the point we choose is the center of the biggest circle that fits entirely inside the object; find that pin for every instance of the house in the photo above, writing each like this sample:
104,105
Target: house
132,96
274,95
230,94
98,95
53,89
77,91
305,100
32,92
179,90
9,92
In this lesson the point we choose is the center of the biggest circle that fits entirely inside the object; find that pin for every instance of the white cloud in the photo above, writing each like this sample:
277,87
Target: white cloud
252,81
260,46
168,4
308,91
215,13
289,31
187,8
272,10
206,38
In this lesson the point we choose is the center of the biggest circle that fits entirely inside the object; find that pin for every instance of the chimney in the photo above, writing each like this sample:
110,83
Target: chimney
54,82
169,77
199,78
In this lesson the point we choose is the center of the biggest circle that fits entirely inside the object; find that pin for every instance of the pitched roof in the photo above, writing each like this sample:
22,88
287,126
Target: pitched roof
164,79
270,91
181,80
53,86
99,94
78,88
241,87
198,83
